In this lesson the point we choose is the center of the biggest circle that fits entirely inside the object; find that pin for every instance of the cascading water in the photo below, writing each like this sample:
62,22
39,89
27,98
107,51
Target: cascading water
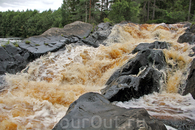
39,98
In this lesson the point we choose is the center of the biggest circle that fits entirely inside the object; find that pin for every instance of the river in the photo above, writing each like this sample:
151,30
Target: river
3,41
40,98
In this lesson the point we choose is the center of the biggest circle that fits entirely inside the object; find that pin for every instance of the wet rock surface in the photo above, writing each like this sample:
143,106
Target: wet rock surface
97,38
93,111
140,75
190,84
154,45
13,59
41,45
127,87
188,36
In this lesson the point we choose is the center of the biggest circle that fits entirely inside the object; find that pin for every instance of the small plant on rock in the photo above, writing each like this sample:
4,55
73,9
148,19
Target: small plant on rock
46,44
15,44
37,45
3,46
7,42
27,42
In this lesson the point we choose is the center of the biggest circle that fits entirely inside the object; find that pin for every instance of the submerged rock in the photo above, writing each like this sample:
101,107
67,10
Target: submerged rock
190,84
93,111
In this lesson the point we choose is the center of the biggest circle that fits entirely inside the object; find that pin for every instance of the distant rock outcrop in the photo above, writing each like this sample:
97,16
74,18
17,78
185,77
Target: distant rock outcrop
78,29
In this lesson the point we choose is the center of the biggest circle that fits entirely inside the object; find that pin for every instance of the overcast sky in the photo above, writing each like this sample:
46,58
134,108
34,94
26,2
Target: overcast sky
40,5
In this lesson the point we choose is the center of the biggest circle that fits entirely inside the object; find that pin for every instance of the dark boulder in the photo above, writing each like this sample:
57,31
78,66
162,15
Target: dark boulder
104,26
93,111
190,84
127,87
2,82
143,59
97,38
139,76
154,45
180,124
13,59
188,36
193,52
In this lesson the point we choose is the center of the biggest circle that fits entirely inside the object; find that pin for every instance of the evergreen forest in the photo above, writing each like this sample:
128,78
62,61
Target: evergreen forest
32,22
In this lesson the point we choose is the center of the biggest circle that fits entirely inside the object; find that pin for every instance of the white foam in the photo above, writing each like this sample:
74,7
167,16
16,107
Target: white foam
165,104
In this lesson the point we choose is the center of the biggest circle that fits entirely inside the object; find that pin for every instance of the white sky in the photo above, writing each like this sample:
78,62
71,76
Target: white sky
39,5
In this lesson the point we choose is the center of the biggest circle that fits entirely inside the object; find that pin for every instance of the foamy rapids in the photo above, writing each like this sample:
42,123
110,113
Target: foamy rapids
39,98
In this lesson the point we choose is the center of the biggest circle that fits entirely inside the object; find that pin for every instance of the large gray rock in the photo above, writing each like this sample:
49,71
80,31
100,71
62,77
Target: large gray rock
98,37
190,84
142,60
127,87
139,76
78,28
154,45
188,36
104,26
93,111
13,59
42,45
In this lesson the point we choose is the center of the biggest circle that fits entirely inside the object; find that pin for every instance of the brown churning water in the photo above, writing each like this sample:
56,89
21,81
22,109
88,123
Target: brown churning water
39,99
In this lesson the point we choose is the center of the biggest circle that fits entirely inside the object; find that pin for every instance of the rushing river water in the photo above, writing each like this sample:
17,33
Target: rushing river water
3,41
39,99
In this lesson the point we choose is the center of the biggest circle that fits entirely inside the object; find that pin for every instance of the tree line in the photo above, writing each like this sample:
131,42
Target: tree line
32,22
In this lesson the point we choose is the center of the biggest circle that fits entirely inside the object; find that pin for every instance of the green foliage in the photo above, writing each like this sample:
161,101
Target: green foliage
175,16
37,45
107,20
125,10
27,42
156,21
65,13
28,23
